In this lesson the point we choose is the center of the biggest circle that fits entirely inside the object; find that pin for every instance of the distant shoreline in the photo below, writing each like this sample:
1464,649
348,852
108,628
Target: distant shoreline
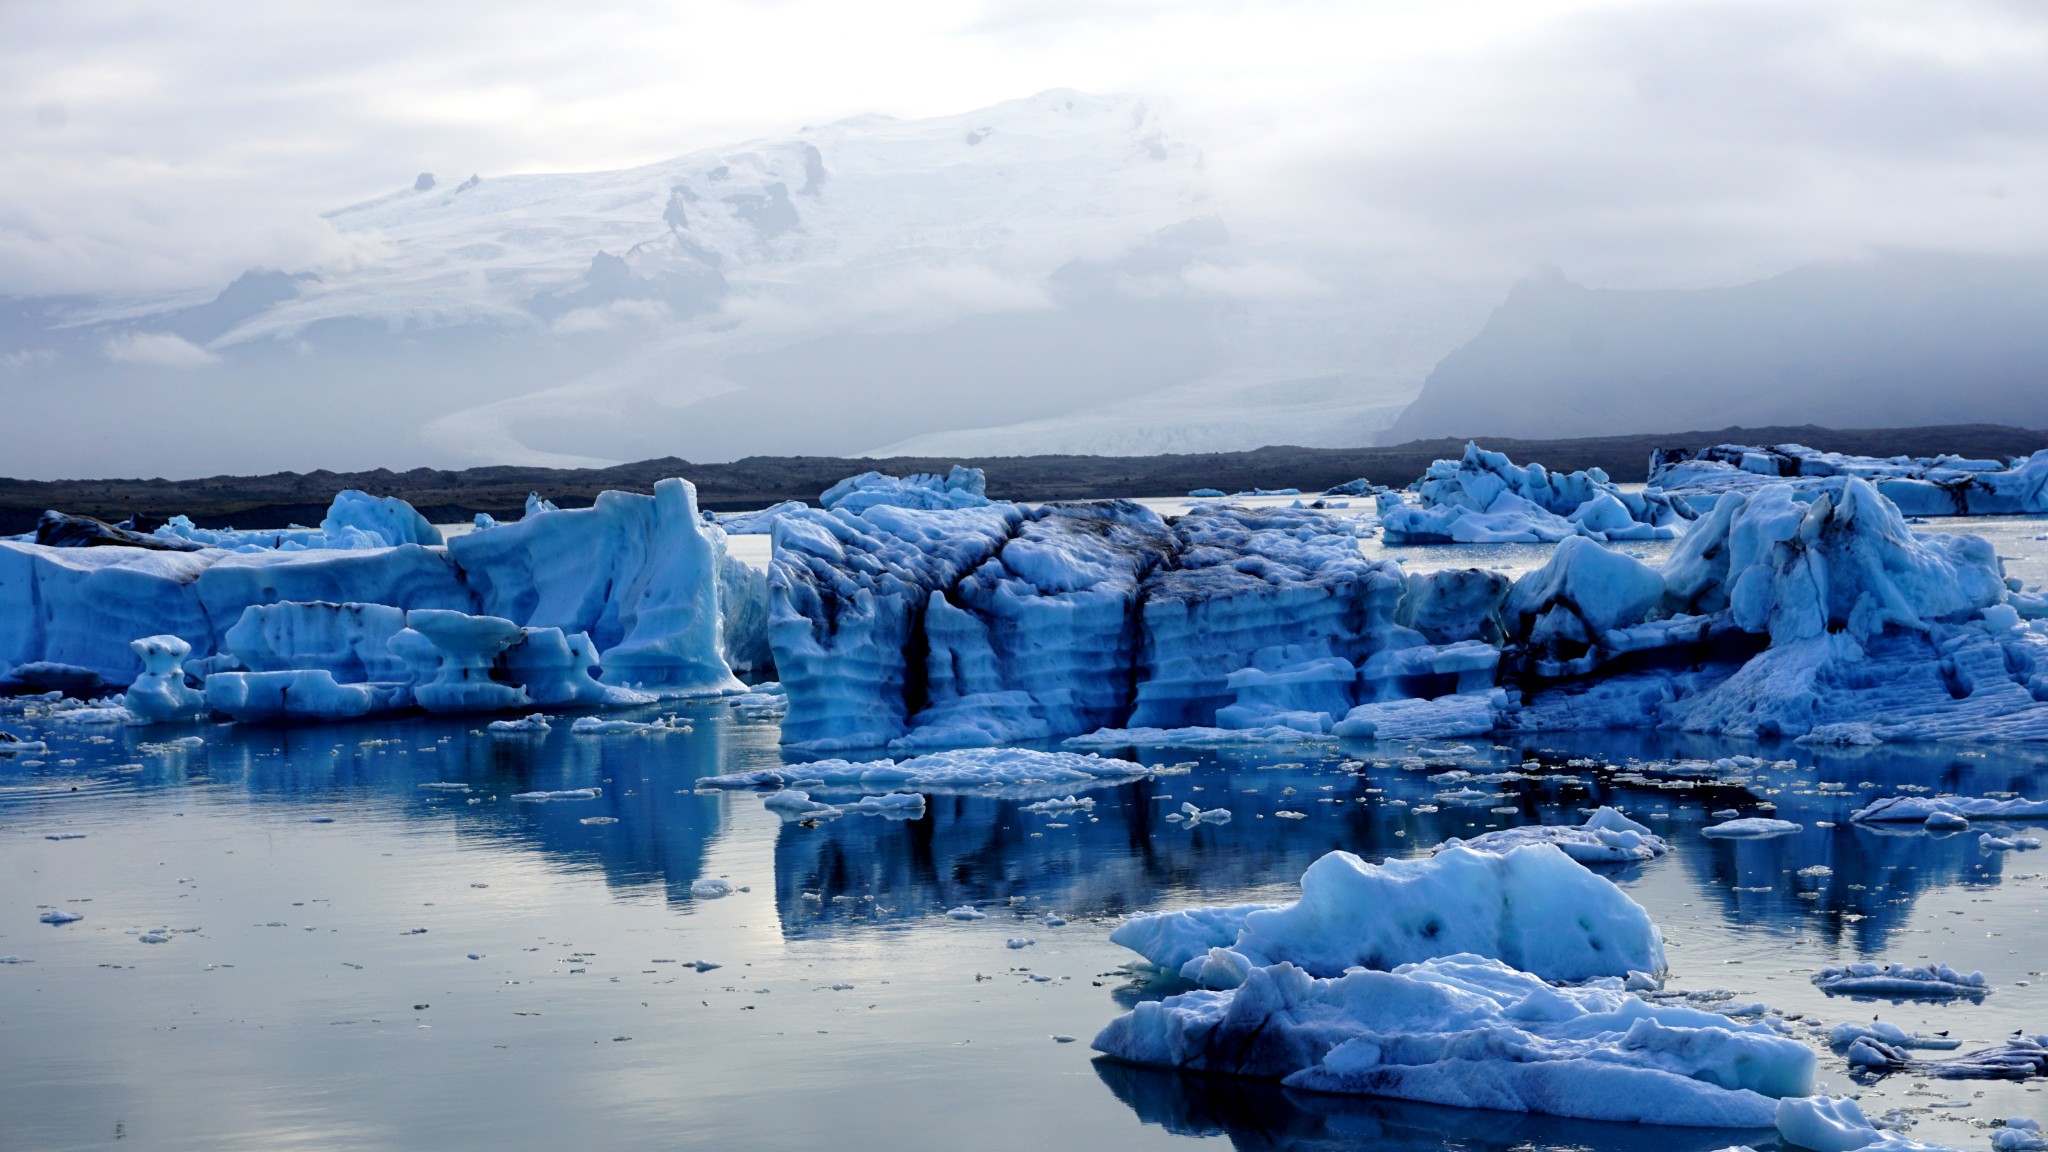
279,499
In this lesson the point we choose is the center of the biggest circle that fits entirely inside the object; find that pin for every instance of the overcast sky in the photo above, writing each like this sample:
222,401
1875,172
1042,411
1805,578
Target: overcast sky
160,145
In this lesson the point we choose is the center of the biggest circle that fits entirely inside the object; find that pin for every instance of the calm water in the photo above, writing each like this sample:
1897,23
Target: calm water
295,1004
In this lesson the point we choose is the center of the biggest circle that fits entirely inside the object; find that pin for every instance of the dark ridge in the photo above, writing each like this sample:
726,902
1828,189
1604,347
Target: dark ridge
283,498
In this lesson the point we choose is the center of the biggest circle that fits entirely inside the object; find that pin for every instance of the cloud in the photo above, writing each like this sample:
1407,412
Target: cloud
157,350
1641,142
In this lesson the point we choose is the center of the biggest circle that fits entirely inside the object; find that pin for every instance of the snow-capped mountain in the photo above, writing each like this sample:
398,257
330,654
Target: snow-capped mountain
1049,274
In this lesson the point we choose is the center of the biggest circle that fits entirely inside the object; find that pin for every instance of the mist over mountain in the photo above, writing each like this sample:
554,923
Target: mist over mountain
1046,275
1894,340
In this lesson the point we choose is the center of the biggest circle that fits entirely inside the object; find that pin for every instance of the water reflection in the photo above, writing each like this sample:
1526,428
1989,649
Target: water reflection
1259,1117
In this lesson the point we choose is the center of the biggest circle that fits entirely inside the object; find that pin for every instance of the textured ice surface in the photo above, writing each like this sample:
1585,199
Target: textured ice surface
1919,809
1530,906
1920,486
962,768
1472,1032
1485,498
1901,982
160,694
1607,837
1749,828
958,488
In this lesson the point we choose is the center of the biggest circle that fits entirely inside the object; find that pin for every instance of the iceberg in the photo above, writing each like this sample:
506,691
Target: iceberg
160,693
958,488
1749,828
1473,1032
1607,837
967,768
1921,486
1920,809
1902,982
1531,906
1485,498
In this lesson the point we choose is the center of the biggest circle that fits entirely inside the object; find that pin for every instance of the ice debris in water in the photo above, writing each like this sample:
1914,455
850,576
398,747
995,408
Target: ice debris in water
1472,1032
65,836
1194,814
1019,942
1607,837
1924,809
1989,843
963,768
445,786
60,916
2020,1134
1841,1036
1061,804
794,804
536,723
1531,906
711,887
563,794
966,912
1901,982
1750,828
601,726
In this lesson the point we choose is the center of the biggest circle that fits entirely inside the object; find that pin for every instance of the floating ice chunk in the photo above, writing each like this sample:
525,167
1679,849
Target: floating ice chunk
159,694
60,916
1062,804
1441,718
11,959
703,965
1846,733
468,646
1946,822
1841,1036
1208,494
1532,906
1902,982
893,806
761,702
962,768
1607,837
792,804
1920,486
966,912
1918,809
1472,1032
2019,1134
1989,843
154,938
604,726
711,888
1825,1123
311,694
445,786
12,745
1750,828
1019,942
537,723
958,488
1194,815
65,836
563,794
1191,737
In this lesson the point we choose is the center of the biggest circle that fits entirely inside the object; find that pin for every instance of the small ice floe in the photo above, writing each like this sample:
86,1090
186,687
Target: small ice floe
1607,837
1989,843
1750,828
893,805
599,820
61,916
1725,814
794,804
564,794
1837,1124
600,726
1053,920
966,912
65,836
763,702
1194,815
711,888
319,819
1019,942
14,960
1901,982
154,937
445,786
703,965
476,955
1061,1039
12,745
1924,809
2021,1057
535,724
1946,822
1062,804
2019,1133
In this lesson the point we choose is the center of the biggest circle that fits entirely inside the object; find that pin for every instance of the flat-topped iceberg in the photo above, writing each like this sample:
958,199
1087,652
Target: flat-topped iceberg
1473,1032
966,768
